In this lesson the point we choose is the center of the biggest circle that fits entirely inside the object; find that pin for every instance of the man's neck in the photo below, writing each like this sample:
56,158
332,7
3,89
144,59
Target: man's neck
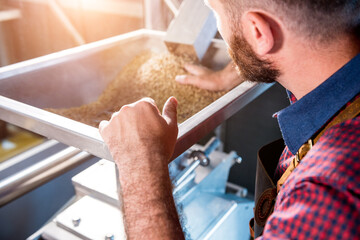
308,67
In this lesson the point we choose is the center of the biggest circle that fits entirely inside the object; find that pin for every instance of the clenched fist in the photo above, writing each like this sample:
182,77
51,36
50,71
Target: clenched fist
139,131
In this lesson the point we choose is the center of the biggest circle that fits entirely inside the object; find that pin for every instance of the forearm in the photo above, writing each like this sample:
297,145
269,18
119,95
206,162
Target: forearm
148,205
141,141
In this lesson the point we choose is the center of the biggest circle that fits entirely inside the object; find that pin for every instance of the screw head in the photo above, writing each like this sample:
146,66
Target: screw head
238,160
76,221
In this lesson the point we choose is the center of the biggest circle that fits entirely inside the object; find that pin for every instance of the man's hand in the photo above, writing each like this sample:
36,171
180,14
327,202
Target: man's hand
140,129
205,78
141,141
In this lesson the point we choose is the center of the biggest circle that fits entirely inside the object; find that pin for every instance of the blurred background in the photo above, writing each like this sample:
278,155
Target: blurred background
32,28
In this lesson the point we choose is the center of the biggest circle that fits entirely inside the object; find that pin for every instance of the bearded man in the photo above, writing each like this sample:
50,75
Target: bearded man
310,47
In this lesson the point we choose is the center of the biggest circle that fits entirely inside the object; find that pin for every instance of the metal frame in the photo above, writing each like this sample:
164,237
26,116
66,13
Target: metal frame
27,154
173,6
88,138
40,173
192,29
126,7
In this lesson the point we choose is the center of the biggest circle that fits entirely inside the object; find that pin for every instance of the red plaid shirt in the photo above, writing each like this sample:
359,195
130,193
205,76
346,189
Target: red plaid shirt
321,198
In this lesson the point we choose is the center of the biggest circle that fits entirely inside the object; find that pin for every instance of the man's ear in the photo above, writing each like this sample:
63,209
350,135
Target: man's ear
258,32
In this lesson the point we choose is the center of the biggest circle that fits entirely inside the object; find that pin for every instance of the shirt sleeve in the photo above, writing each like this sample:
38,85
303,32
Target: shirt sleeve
315,210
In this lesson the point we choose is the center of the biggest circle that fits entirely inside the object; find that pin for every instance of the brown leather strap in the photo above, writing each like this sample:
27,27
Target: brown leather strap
251,227
286,174
268,158
348,113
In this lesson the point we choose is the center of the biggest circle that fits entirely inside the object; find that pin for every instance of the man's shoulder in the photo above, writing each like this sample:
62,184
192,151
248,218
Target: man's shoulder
334,160
339,146
341,138
324,189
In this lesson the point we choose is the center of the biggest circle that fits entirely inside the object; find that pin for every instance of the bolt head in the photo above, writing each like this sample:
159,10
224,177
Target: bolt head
76,221
238,160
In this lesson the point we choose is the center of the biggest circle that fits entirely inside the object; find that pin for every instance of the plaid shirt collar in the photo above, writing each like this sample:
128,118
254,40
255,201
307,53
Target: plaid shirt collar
303,118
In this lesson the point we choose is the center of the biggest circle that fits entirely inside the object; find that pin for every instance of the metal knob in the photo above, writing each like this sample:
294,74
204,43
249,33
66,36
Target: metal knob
200,155
198,158
109,236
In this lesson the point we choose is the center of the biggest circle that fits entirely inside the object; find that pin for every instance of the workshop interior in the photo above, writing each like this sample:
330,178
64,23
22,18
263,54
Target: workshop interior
59,58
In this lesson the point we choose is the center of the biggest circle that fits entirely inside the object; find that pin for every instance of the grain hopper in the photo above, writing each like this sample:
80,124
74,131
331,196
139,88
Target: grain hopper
78,76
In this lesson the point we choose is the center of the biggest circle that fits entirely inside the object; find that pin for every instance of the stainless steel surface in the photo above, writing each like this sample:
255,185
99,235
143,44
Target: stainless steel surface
207,211
53,232
53,126
239,191
77,76
40,173
97,219
211,146
9,183
198,158
184,174
76,221
27,154
87,182
196,127
192,29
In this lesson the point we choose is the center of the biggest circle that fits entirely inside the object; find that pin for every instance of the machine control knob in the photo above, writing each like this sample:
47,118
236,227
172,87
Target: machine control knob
109,236
200,155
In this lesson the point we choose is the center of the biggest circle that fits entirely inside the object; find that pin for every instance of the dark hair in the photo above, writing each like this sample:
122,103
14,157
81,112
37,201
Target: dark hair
320,19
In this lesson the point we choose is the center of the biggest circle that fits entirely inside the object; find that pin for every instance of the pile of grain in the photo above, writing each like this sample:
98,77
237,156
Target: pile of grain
147,75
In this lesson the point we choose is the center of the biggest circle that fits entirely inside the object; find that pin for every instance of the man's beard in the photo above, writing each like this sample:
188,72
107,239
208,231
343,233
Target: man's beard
249,65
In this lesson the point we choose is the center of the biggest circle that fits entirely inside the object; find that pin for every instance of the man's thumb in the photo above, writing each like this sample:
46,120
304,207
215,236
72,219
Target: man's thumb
170,111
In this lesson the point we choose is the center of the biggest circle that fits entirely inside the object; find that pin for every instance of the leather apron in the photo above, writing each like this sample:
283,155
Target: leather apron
266,188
